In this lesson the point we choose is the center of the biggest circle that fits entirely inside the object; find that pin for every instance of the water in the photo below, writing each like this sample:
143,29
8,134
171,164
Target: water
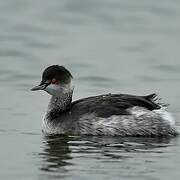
117,46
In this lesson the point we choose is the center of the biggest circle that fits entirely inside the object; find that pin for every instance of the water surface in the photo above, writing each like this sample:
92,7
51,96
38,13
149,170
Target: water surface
117,46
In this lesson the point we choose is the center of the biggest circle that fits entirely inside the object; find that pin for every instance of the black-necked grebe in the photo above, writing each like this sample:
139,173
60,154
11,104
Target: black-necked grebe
109,114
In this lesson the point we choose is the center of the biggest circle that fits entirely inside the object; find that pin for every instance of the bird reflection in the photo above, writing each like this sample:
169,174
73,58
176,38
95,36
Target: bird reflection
55,153
58,151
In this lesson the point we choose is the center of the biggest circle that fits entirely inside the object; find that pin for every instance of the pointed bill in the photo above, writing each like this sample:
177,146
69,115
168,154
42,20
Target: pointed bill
41,86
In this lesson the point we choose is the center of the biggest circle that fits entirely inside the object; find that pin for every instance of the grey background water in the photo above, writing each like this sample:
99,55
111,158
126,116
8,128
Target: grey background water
118,46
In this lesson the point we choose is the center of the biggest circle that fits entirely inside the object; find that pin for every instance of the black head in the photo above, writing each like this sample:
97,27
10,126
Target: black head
55,74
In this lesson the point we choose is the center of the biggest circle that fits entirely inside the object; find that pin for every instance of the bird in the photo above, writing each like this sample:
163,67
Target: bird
101,115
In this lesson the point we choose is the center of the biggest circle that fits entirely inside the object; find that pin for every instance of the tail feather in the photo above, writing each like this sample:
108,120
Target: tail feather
155,99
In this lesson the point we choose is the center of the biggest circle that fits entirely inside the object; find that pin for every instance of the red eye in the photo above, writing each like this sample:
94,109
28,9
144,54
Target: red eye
54,81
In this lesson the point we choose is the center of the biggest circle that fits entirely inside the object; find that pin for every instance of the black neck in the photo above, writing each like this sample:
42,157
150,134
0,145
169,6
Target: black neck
57,105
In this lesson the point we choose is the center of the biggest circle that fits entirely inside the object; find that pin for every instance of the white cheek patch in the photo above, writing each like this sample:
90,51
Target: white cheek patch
54,89
59,90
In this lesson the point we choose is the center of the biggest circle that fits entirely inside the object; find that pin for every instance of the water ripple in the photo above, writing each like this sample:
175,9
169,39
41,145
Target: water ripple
64,151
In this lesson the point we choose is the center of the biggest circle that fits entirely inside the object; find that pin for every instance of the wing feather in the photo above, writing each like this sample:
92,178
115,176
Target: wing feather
113,104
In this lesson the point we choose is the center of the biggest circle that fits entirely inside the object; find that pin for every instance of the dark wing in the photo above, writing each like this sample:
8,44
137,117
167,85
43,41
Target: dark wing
113,104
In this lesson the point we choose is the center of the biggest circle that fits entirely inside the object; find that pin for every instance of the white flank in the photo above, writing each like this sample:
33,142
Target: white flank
166,116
